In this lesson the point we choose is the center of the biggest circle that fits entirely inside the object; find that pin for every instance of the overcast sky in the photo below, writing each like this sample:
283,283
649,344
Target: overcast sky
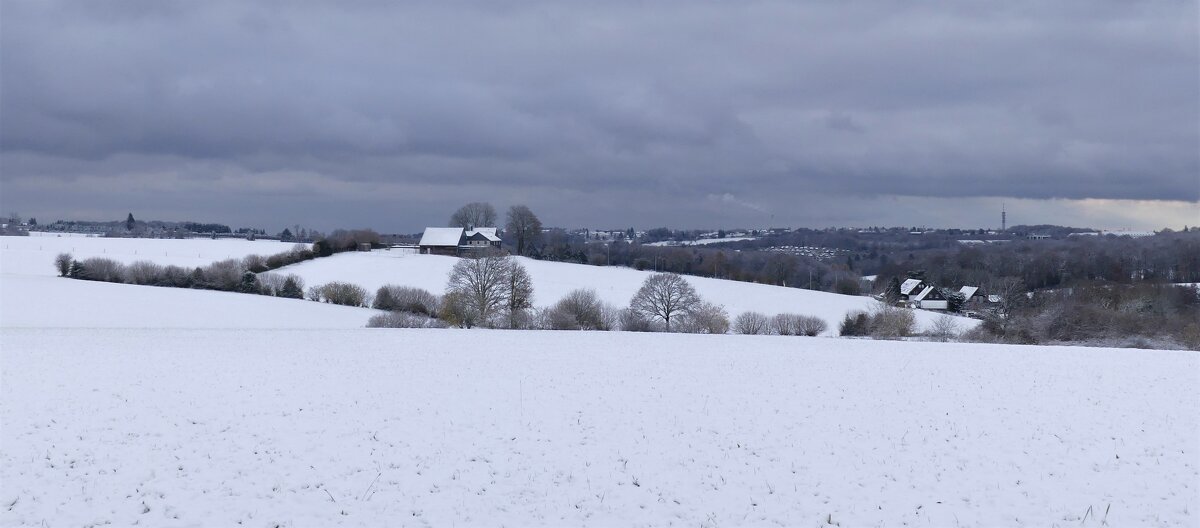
390,114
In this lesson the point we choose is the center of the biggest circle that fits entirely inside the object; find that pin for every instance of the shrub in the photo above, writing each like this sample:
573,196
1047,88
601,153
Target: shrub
224,275
405,299
811,326
785,324
271,283
403,320
254,263
101,269
343,293
454,310
579,310
176,277
63,264
889,322
707,318
144,273
631,320
945,328
752,323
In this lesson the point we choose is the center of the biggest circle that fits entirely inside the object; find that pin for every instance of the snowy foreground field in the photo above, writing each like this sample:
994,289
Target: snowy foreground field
502,428
133,405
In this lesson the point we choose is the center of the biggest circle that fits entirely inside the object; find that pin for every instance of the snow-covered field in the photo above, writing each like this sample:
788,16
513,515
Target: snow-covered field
32,296
503,428
617,285
124,405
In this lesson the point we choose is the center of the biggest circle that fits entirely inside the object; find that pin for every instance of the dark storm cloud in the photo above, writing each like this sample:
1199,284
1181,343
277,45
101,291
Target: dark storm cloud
683,111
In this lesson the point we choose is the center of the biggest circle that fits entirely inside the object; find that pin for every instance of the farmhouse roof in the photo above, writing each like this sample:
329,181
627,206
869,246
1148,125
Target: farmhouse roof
907,287
924,293
441,236
488,232
968,292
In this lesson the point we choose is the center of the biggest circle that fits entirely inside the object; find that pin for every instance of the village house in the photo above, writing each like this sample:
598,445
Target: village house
456,241
911,287
930,298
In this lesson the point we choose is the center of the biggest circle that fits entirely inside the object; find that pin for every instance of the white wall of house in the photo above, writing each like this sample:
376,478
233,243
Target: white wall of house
935,305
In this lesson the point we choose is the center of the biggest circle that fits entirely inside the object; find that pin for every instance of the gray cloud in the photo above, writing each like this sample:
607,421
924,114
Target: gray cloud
680,113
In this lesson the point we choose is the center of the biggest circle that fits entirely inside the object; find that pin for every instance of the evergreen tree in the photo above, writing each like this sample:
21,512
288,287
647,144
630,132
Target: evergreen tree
291,289
892,293
954,300
249,283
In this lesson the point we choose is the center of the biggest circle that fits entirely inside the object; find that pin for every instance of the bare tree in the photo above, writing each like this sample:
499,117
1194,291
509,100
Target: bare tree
474,214
945,328
752,323
519,293
480,285
63,264
524,228
663,296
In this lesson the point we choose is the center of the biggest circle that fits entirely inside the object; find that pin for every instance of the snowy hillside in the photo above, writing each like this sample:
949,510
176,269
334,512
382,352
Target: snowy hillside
35,255
617,285
32,296
500,428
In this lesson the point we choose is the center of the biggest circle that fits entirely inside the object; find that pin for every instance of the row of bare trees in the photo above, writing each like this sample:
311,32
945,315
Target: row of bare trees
495,291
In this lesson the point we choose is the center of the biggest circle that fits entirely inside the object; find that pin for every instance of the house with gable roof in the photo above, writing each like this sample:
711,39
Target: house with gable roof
456,241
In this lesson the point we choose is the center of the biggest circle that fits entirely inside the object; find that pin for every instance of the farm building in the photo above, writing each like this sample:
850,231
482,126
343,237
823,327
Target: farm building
911,287
455,241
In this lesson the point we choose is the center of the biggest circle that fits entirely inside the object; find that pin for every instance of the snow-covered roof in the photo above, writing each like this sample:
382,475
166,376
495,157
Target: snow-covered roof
907,286
921,296
968,292
993,298
487,232
441,236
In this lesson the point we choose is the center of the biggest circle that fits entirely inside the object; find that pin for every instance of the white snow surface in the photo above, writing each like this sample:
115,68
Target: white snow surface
31,295
617,285
374,427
